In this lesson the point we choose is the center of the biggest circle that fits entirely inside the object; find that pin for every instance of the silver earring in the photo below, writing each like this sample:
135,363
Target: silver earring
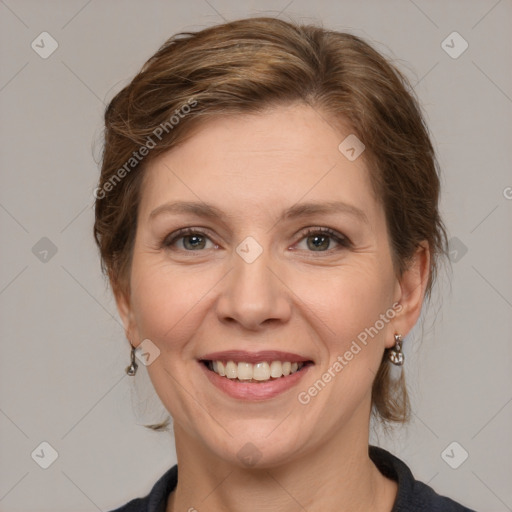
396,356
132,369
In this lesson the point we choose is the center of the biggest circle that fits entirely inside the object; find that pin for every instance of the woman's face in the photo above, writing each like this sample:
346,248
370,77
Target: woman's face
255,280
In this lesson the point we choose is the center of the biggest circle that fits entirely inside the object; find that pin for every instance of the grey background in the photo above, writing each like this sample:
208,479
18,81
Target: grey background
63,349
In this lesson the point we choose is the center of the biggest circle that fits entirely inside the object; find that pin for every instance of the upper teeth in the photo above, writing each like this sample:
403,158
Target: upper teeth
259,371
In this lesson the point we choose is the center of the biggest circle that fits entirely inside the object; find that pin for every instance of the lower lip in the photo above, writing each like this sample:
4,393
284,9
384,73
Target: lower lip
254,390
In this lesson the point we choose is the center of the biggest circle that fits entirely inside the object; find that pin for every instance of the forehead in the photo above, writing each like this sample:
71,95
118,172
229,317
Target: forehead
261,161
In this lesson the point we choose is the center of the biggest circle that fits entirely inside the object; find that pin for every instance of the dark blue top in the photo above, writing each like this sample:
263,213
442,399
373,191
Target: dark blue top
413,496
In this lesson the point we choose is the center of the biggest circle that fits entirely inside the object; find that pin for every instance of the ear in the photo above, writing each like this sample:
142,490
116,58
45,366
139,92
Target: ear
127,316
410,291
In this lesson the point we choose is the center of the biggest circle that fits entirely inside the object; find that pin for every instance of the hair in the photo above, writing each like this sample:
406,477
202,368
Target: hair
250,65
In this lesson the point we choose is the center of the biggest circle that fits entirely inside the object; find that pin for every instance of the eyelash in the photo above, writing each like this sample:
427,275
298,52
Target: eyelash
342,240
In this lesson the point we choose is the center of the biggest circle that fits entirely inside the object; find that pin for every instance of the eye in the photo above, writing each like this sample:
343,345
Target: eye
193,239
188,239
320,239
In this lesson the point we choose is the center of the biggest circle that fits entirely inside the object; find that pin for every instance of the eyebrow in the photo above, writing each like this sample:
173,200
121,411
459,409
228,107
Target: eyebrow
298,210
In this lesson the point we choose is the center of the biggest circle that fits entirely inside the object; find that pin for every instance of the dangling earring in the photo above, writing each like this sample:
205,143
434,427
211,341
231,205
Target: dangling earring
132,369
396,356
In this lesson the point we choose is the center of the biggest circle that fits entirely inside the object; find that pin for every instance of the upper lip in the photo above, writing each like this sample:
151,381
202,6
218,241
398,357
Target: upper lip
254,357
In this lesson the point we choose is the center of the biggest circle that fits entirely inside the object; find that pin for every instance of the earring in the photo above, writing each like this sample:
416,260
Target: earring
132,369
396,356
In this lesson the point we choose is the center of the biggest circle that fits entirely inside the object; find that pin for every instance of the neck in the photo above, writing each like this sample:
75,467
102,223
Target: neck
338,475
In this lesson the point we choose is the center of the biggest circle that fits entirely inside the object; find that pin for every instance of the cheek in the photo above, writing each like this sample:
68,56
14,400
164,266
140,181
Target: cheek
347,307
348,299
167,302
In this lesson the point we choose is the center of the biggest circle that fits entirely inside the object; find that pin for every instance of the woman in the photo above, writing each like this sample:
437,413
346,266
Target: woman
267,215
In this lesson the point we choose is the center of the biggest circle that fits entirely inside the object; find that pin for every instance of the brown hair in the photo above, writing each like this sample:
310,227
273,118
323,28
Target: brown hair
246,66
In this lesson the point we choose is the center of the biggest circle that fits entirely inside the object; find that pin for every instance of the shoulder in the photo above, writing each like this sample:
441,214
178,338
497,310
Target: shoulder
412,494
156,500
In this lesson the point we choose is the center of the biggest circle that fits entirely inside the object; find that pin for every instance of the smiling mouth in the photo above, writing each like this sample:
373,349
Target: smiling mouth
264,371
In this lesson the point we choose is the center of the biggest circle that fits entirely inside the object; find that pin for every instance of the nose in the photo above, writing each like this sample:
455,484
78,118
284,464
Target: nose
253,295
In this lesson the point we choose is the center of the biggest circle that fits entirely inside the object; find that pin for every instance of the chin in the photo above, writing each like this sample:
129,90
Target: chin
253,450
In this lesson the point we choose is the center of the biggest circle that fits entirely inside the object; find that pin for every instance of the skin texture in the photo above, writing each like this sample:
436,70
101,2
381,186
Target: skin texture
293,297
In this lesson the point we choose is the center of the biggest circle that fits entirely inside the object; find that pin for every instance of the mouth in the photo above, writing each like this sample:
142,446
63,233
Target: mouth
254,376
262,371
